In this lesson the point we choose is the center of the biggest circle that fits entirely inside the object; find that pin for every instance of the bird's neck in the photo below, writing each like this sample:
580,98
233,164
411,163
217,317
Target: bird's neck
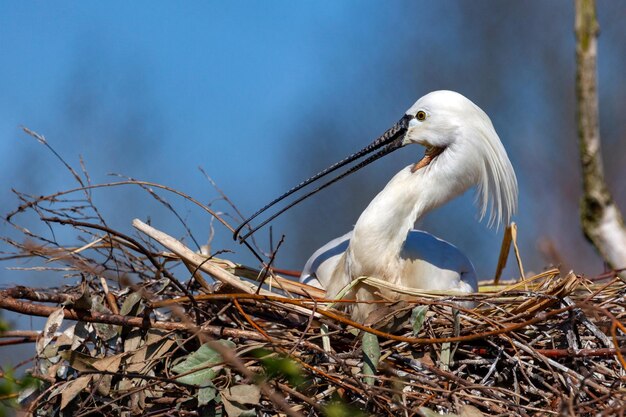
382,228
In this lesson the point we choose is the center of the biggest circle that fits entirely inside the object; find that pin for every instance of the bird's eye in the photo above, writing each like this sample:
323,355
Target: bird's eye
421,115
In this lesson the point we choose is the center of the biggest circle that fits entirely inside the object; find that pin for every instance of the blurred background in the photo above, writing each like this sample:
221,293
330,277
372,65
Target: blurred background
261,95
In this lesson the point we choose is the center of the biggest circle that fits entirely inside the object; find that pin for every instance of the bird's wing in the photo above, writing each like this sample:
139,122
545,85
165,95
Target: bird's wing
433,263
319,268
430,262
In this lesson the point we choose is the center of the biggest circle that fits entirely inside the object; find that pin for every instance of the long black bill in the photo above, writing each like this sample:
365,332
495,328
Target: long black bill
389,141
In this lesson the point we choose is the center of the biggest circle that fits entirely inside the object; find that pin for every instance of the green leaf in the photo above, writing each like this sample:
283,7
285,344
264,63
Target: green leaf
104,330
200,378
371,356
77,360
202,360
280,366
418,315
445,357
129,304
4,326
341,409
207,394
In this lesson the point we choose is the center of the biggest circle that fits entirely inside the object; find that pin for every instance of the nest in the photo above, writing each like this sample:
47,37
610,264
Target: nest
132,337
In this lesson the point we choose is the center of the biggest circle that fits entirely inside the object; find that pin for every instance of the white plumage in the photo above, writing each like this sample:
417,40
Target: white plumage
428,252
462,150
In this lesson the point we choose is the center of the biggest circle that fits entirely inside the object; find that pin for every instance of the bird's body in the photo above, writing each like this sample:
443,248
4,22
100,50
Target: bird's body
463,151
383,243
425,254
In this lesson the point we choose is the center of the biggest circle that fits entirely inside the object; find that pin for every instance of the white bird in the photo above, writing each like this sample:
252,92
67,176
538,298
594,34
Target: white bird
462,150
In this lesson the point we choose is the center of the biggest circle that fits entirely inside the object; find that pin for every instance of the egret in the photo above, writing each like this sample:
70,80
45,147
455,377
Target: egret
463,150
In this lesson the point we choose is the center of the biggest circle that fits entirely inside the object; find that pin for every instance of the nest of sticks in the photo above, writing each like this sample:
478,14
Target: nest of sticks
152,327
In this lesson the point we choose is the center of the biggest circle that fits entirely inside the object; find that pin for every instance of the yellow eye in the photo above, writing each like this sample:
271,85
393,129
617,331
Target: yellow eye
421,115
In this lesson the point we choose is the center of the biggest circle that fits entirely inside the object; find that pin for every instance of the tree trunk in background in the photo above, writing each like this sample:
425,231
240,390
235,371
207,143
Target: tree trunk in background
601,219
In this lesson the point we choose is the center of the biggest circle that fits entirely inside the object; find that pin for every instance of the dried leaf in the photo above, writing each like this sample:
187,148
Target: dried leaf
239,399
83,302
138,400
53,369
103,384
67,337
155,335
50,352
427,412
467,410
109,363
53,324
158,350
133,340
154,350
82,331
73,388
244,394
389,317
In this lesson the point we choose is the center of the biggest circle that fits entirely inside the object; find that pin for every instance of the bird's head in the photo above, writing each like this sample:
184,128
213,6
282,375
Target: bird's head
460,138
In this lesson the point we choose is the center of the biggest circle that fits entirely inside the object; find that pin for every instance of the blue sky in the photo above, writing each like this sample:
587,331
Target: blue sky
264,94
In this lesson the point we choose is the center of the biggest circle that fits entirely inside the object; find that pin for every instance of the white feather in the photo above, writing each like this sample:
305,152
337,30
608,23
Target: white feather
383,243
426,252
